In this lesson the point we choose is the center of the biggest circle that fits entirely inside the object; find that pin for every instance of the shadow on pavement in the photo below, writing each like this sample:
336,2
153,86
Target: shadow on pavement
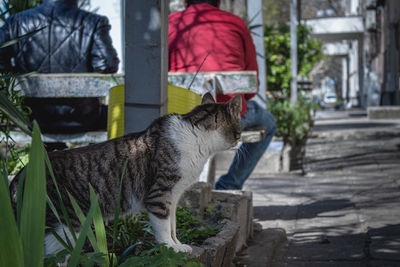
376,247
348,126
307,211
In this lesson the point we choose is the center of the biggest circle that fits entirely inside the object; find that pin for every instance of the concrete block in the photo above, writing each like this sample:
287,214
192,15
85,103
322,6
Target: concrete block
230,233
384,112
236,206
220,249
198,253
197,198
250,224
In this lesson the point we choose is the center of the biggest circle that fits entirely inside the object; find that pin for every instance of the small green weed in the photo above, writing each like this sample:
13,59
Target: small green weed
191,230
17,159
135,229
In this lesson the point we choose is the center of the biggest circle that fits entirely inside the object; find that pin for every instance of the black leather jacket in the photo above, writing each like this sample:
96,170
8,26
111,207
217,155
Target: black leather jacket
71,41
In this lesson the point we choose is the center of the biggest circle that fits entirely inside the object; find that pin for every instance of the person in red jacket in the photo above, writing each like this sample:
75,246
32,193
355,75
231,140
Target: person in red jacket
203,31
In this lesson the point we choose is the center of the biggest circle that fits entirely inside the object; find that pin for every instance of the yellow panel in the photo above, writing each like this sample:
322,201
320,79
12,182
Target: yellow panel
181,100
115,116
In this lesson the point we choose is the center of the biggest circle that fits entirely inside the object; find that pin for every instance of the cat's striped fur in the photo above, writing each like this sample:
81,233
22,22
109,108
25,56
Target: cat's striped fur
163,161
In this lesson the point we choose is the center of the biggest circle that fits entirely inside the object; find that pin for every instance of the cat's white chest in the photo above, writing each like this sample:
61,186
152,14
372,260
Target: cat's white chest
195,145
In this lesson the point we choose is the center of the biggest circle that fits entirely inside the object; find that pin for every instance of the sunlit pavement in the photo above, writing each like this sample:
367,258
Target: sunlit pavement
346,210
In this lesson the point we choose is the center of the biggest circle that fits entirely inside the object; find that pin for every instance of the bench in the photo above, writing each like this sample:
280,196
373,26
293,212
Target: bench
67,85
98,85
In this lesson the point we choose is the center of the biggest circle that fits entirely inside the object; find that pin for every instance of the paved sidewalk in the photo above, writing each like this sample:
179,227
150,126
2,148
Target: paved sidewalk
345,211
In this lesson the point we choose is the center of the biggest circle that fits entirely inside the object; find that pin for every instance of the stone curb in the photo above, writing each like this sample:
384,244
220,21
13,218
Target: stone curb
384,112
197,198
237,206
262,248
233,209
219,250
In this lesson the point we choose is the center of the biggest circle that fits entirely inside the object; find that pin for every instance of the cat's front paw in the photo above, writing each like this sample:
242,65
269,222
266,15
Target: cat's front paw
181,248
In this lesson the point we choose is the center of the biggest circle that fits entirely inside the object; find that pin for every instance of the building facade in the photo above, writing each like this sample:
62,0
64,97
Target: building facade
382,55
365,34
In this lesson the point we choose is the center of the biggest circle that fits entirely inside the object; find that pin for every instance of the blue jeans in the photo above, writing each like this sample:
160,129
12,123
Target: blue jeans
249,153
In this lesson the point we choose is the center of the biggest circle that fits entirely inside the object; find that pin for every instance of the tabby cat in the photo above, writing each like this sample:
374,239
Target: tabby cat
162,162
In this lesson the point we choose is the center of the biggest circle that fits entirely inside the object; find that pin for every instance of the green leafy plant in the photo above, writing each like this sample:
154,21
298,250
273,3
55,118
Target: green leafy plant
277,55
191,230
22,237
17,159
22,240
131,233
294,122
135,237
161,256
98,241
12,113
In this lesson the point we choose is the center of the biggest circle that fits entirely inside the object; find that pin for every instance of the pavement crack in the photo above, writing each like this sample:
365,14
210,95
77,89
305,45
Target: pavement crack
366,248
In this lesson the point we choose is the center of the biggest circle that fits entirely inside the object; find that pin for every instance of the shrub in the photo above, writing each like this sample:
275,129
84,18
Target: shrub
293,120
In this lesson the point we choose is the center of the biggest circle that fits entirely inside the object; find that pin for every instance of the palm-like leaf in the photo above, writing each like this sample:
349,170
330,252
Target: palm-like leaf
16,40
9,109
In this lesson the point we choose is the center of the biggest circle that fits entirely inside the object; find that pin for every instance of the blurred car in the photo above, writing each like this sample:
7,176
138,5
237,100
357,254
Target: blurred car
329,99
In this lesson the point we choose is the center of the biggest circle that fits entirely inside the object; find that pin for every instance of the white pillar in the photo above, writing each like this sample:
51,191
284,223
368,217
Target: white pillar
362,95
254,14
293,51
344,77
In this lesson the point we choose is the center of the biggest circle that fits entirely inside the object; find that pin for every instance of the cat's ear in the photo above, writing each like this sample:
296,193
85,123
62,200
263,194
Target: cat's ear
235,105
207,99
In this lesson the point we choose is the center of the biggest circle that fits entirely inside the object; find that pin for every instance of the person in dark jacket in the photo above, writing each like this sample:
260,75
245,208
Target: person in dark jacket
71,40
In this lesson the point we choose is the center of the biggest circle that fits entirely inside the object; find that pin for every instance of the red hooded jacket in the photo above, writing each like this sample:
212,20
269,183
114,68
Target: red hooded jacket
203,29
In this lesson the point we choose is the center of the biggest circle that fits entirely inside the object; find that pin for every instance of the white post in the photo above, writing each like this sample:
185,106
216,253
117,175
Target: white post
293,51
254,13
344,77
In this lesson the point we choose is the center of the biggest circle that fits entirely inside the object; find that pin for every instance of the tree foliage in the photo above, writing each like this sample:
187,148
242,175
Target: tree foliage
277,55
